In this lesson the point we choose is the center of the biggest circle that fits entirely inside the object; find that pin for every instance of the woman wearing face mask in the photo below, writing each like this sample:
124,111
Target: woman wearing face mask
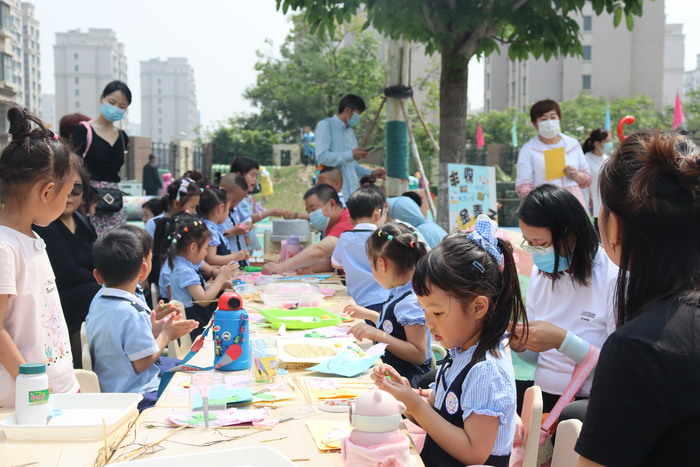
596,148
103,148
569,298
530,172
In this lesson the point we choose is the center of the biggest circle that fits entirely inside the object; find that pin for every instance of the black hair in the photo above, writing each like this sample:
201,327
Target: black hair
35,153
398,243
597,136
211,198
652,185
151,157
558,210
368,180
464,270
181,190
182,231
234,180
542,107
143,236
364,201
118,255
353,101
242,165
117,86
324,192
414,196
155,205
198,178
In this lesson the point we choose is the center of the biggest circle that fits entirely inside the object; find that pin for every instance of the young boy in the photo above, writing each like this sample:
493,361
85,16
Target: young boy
238,224
125,338
366,207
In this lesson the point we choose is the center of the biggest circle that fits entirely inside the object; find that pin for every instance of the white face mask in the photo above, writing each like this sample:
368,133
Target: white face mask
548,129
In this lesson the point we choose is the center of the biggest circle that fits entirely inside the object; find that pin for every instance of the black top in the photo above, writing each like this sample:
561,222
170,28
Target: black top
103,161
71,259
644,406
151,179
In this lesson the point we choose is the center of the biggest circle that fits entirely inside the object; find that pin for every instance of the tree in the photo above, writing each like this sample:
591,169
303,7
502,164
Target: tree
459,30
237,139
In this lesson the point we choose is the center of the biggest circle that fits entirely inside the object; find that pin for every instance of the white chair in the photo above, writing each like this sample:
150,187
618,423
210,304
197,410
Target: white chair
179,349
88,381
87,359
567,434
437,353
154,296
532,420
83,335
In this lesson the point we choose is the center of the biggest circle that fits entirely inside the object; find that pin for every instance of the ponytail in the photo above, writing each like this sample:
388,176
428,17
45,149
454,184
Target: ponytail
597,136
398,243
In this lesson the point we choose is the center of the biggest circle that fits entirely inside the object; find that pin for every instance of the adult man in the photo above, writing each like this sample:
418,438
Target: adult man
325,214
151,179
336,144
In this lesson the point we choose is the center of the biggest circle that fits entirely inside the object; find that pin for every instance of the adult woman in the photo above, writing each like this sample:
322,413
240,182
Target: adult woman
569,296
69,242
644,407
531,169
104,148
596,149
406,210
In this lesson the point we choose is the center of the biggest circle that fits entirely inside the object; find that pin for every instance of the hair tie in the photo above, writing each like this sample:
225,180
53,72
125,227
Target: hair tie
186,229
55,136
412,244
390,237
379,233
184,184
478,266
484,235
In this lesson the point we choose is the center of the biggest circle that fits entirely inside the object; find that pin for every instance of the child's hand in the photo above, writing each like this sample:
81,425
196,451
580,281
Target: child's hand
365,331
164,309
242,255
389,380
355,311
176,328
228,270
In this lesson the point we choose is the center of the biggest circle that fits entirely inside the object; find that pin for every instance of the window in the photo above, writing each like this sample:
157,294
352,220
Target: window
487,81
587,23
77,92
77,80
587,52
524,85
586,82
159,100
512,66
158,80
160,121
160,111
77,105
488,105
75,56
512,89
4,17
158,90
5,65
76,68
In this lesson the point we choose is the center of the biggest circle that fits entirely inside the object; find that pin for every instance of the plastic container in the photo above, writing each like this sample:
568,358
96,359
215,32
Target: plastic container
292,248
231,332
212,386
286,296
32,394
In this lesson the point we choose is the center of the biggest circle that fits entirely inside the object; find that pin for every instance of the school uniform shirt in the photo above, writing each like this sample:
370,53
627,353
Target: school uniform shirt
150,226
164,279
217,238
585,311
350,254
185,273
488,389
530,170
236,216
120,332
34,317
592,193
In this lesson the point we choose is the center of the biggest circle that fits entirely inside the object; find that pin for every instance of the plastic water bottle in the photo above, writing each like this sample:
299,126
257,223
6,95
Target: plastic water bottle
293,247
32,394
231,332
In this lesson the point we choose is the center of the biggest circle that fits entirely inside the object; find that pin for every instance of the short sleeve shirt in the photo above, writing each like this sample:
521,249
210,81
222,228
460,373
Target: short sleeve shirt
184,274
342,225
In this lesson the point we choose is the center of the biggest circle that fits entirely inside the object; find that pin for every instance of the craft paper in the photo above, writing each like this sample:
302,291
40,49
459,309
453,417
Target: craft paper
217,418
554,163
349,364
328,433
235,396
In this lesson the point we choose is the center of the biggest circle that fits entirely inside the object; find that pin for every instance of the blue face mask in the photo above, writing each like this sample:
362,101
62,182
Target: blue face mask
318,220
112,113
354,120
607,147
545,262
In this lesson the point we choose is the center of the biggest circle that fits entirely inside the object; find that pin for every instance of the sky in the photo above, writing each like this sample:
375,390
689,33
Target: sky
220,39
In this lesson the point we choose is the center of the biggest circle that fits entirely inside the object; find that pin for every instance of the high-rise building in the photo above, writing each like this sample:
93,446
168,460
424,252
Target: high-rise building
615,62
692,77
85,62
168,100
48,110
31,60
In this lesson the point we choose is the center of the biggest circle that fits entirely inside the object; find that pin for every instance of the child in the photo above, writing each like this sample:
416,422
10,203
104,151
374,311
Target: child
393,251
213,208
125,338
366,208
150,209
37,172
468,287
190,240
237,223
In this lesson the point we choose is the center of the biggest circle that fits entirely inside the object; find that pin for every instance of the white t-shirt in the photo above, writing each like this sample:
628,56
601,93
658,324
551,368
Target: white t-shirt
585,311
34,317
593,192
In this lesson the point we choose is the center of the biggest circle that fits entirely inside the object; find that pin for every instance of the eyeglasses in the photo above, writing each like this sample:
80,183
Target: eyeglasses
77,190
536,249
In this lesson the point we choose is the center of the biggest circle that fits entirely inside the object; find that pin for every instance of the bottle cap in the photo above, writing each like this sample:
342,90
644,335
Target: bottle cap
32,369
293,240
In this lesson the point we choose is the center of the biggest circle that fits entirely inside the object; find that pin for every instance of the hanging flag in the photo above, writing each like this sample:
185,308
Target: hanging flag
607,117
678,112
479,137
514,133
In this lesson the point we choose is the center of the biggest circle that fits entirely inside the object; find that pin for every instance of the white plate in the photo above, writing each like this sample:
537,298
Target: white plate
257,456
81,418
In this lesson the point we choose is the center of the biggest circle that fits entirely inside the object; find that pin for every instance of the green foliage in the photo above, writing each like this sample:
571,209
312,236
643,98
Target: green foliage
236,139
691,110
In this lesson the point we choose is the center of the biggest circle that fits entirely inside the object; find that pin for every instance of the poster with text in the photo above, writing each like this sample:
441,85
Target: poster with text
472,191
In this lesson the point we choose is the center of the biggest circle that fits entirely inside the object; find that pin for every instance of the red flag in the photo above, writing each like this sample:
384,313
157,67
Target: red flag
479,137
677,112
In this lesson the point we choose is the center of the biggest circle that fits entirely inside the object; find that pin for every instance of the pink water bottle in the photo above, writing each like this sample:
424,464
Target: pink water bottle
292,247
283,251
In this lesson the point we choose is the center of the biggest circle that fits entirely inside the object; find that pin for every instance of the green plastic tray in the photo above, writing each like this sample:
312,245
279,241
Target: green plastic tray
301,318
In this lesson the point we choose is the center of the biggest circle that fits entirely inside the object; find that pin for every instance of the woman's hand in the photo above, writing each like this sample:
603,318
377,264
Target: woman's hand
541,336
365,331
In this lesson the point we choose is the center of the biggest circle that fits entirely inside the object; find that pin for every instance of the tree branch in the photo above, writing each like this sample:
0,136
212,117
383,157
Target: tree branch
428,19
469,42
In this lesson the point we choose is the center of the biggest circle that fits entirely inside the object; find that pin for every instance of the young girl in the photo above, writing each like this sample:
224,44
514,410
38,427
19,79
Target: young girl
37,172
393,251
596,149
213,208
186,253
468,287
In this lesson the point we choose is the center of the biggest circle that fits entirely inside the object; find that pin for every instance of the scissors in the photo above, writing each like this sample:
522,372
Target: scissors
202,381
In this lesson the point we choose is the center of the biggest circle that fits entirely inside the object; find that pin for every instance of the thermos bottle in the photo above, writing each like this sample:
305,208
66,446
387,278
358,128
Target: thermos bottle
231,332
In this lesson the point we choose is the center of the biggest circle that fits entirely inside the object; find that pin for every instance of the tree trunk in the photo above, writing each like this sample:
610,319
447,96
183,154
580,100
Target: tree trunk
454,74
